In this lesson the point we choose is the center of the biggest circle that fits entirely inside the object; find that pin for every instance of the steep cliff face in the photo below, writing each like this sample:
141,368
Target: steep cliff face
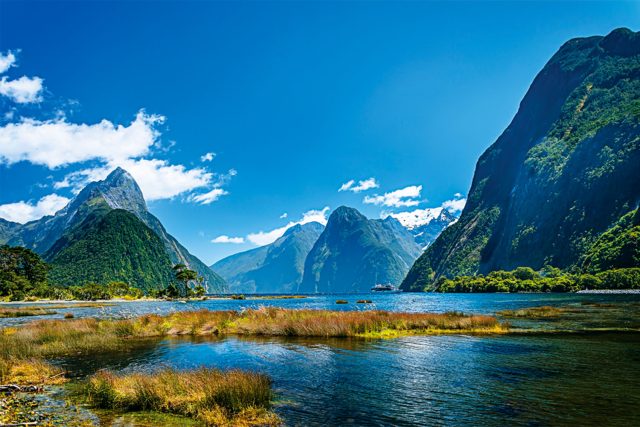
564,171
274,268
354,253
119,191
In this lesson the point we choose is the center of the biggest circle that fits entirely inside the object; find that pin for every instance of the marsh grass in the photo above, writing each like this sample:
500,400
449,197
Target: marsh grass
536,312
30,372
24,311
55,338
210,396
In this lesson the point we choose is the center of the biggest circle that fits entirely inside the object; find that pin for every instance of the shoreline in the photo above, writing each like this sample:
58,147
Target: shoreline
609,291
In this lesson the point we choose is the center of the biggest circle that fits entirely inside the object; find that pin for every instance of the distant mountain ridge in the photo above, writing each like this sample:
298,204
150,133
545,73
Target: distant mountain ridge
274,268
354,253
50,235
564,172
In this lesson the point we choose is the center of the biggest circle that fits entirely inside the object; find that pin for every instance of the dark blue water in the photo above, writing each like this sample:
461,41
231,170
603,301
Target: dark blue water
551,379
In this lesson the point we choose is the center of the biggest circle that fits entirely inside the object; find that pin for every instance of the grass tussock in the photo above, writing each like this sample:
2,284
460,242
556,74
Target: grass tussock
30,372
24,311
210,396
534,312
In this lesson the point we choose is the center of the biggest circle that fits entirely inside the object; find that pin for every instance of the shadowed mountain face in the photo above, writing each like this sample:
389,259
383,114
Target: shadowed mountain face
354,253
563,172
51,235
274,268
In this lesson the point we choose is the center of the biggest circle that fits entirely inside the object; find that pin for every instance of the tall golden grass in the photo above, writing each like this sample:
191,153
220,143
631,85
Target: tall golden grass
211,396
52,338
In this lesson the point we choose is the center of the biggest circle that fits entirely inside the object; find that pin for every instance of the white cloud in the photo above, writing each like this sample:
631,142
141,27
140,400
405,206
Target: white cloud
7,61
262,238
207,157
209,197
284,215
24,212
23,90
455,205
227,239
398,198
364,185
416,218
157,179
57,143
347,185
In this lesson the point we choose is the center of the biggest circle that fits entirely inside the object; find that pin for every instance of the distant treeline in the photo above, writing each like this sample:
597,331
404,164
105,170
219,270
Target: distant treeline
24,276
549,279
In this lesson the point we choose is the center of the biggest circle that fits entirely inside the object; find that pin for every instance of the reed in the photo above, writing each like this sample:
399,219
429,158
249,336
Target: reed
211,396
54,338
24,311
534,312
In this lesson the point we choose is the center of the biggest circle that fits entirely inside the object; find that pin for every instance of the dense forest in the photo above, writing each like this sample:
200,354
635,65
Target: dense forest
550,279
25,276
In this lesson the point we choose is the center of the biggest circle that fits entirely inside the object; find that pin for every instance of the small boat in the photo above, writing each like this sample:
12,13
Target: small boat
384,288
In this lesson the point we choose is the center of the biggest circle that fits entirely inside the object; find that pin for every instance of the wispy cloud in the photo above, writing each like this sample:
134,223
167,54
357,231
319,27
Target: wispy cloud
23,212
364,185
207,157
7,60
209,196
226,239
456,204
403,197
262,238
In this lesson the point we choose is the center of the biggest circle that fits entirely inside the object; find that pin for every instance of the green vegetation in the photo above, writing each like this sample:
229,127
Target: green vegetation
22,273
618,247
115,246
212,397
525,279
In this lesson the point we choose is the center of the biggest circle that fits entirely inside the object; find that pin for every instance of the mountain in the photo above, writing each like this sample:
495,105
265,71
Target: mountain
119,191
426,224
563,172
274,268
354,253
8,229
113,245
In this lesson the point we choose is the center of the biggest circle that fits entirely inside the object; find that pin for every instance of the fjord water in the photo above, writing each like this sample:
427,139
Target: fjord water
528,379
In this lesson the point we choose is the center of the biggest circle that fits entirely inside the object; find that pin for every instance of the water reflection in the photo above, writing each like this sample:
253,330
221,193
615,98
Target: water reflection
438,380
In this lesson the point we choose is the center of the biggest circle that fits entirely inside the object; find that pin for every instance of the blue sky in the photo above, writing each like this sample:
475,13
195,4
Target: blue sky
294,98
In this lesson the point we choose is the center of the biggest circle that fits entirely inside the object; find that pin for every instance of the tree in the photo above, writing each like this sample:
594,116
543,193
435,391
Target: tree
184,276
21,272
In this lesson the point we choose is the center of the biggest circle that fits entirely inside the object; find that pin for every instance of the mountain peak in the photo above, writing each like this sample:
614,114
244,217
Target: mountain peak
117,175
121,191
345,213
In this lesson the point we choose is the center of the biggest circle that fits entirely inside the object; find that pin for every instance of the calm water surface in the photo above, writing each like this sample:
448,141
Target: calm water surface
550,379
